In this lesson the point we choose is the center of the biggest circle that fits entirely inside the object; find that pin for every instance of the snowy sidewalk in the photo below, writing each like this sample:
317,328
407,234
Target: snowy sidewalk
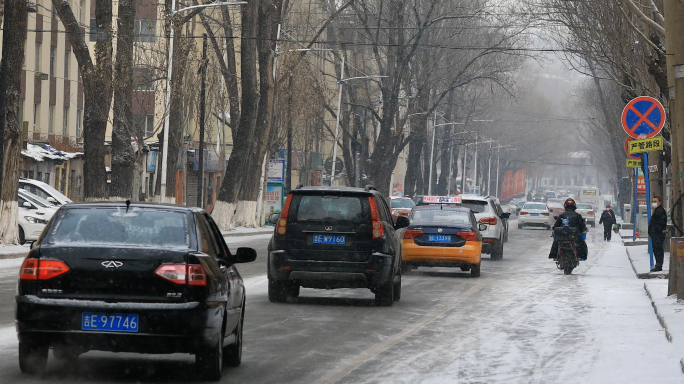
670,313
641,264
243,231
14,251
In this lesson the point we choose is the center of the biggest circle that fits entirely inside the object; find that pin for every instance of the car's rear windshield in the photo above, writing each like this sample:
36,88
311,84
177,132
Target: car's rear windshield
476,206
402,203
331,208
583,206
116,226
534,206
442,217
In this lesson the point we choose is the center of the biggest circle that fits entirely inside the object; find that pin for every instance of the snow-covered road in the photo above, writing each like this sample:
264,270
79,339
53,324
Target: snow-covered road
523,321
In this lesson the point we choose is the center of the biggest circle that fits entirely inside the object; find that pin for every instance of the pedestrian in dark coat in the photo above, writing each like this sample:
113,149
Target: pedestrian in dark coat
657,228
607,219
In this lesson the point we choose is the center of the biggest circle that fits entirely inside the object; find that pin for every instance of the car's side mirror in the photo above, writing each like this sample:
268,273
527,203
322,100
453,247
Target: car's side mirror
273,218
52,200
245,255
505,215
482,227
32,244
27,205
402,222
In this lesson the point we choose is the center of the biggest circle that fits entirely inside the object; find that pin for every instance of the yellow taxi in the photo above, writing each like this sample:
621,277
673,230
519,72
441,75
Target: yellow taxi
442,235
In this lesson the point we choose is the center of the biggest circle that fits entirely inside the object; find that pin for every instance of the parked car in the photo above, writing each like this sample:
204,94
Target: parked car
488,211
336,237
534,214
45,191
443,236
588,213
401,206
34,213
145,278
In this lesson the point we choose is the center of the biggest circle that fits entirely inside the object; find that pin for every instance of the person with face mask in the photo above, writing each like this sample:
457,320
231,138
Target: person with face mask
657,228
607,219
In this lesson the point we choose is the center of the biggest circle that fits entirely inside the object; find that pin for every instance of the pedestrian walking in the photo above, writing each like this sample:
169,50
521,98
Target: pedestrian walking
657,228
607,219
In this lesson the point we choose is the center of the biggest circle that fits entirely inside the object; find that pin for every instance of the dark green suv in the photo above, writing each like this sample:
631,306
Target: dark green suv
335,237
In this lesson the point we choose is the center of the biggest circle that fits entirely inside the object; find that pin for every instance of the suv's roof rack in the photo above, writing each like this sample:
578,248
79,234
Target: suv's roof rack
370,187
299,186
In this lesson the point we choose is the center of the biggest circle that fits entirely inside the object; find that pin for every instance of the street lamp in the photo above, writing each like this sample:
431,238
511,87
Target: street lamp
165,146
339,110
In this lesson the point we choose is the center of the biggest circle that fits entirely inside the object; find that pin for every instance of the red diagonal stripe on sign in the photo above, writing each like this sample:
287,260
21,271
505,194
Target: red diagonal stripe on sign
643,118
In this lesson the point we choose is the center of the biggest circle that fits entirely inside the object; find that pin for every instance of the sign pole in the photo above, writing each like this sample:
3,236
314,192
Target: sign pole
648,206
635,208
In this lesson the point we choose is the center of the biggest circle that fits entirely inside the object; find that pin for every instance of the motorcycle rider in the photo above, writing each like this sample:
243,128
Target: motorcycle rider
577,221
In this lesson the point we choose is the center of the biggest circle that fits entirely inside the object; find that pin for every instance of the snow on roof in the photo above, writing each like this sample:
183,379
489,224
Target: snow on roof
47,152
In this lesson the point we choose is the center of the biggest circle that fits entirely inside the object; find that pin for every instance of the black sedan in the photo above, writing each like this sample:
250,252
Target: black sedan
142,278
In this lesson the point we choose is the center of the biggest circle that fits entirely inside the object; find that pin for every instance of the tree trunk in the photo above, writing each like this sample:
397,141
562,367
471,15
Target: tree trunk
123,157
97,91
269,17
236,169
14,39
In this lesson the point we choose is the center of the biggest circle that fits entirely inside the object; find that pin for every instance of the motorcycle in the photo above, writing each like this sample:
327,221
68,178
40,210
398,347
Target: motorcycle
566,237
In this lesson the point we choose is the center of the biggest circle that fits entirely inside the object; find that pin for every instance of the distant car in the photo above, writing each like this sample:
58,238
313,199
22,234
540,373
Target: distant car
143,278
336,237
556,209
534,214
442,236
518,205
539,197
401,206
488,211
45,191
550,195
34,213
587,212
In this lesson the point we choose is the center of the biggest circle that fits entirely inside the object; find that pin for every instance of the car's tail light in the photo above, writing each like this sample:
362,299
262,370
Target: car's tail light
34,269
523,213
412,234
467,236
545,213
591,213
378,229
488,220
183,274
281,227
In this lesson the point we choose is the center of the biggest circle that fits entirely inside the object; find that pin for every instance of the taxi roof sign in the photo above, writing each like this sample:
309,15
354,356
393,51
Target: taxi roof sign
442,200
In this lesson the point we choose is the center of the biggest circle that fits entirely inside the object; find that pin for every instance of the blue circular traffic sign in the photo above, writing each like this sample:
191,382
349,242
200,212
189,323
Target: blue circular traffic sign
643,117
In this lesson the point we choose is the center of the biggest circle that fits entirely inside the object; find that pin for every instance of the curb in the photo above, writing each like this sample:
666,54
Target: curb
228,234
13,255
668,336
647,275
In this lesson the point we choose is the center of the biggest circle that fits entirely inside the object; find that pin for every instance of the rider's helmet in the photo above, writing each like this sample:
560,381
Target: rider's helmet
570,205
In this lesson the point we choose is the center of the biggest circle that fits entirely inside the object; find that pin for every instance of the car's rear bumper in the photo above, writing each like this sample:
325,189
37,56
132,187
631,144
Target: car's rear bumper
162,328
468,254
534,220
374,272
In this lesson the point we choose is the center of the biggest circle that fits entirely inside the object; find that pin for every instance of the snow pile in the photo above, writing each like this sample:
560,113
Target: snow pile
46,151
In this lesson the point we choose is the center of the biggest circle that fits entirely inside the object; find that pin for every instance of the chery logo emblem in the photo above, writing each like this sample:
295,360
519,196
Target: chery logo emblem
328,228
112,264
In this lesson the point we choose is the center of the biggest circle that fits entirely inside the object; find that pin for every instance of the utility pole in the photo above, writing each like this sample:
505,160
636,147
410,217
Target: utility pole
288,165
200,176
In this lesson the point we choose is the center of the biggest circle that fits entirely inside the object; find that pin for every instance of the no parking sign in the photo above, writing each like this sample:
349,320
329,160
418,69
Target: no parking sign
643,117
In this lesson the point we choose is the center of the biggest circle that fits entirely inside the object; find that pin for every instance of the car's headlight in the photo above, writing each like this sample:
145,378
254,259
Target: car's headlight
35,220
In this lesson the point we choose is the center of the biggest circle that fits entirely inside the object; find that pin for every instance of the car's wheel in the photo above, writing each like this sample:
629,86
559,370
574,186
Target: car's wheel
384,296
475,270
22,236
232,354
520,226
32,357
497,250
276,291
397,286
209,361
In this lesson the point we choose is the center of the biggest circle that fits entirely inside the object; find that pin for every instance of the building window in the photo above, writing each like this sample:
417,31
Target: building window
65,122
36,117
51,119
79,113
47,178
143,79
39,176
52,60
67,58
37,57
144,124
81,12
145,30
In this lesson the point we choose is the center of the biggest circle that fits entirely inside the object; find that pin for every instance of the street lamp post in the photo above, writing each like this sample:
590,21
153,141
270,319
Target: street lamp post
165,145
339,111
498,153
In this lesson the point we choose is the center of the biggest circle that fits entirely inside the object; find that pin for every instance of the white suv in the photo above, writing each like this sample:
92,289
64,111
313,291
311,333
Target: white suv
488,211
